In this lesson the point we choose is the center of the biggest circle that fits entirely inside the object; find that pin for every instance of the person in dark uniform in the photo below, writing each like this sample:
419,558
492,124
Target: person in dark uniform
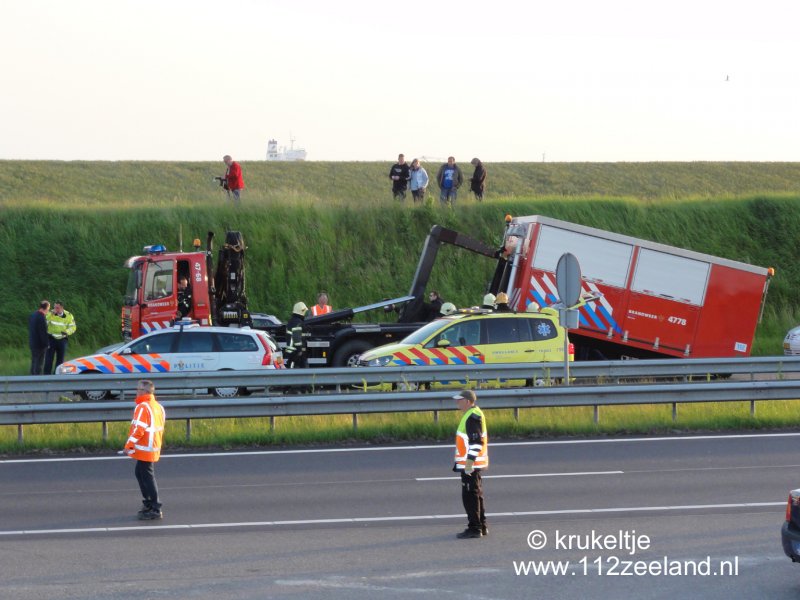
38,340
434,306
295,354
501,303
472,457
184,298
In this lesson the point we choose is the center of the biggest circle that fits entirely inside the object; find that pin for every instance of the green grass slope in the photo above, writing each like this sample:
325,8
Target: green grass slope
67,228
335,183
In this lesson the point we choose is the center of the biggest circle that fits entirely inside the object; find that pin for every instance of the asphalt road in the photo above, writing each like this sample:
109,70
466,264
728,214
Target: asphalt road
380,522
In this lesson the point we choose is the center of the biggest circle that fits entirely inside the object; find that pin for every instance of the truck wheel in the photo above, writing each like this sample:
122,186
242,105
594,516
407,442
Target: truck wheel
347,355
94,395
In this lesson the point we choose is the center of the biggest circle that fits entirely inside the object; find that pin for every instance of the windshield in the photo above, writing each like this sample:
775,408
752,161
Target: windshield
132,289
422,334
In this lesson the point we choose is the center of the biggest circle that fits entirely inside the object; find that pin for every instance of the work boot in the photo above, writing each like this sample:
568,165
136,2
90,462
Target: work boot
484,529
150,515
145,507
469,534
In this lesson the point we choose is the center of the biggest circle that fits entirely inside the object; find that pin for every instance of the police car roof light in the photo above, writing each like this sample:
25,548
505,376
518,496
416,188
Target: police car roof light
182,323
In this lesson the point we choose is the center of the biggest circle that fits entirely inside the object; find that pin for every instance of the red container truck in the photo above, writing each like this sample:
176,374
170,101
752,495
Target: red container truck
657,300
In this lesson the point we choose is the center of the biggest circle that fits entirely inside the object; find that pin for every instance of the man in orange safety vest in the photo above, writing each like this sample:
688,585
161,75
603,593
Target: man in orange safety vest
144,446
321,307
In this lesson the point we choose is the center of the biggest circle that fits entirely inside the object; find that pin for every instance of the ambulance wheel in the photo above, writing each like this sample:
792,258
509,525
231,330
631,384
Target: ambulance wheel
347,355
94,395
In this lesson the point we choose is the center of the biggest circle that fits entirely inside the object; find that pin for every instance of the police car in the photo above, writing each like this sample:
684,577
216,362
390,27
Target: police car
474,336
790,531
185,347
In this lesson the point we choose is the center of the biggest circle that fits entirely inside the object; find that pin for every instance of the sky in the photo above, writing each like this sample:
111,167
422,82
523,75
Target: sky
559,81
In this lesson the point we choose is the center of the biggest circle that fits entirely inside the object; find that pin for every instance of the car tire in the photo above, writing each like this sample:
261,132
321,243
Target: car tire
226,392
94,395
346,356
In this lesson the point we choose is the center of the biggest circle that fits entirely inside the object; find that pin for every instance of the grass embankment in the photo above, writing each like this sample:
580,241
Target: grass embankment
130,183
383,428
66,229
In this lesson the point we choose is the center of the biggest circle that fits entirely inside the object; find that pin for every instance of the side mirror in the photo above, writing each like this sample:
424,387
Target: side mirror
442,343
127,351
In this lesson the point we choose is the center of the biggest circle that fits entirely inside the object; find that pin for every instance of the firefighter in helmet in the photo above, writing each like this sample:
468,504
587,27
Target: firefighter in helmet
448,308
502,302
295,349
488,302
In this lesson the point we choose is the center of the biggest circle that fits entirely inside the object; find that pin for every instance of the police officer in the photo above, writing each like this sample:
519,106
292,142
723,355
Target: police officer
472,457
60,325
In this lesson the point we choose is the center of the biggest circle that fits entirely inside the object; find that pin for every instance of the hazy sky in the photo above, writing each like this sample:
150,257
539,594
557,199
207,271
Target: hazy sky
581,80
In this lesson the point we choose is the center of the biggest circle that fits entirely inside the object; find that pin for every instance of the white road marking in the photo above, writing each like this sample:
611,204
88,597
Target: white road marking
452,477
446,446
532,513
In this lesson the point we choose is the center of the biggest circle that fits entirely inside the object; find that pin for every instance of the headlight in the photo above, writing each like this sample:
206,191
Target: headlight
380,362
66,370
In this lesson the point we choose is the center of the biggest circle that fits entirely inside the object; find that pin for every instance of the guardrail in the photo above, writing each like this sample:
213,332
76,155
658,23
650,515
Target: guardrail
363,377
350,401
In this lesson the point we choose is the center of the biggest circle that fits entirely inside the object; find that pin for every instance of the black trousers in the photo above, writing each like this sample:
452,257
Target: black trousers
56,348
472,497
146,476
37,360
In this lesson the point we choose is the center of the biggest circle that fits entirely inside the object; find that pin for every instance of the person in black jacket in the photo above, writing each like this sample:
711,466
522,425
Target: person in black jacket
400,173
184,298
434,306
38,340
478,181
294,353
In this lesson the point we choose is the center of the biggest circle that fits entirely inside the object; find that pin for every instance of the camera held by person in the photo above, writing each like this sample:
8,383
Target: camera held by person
223,182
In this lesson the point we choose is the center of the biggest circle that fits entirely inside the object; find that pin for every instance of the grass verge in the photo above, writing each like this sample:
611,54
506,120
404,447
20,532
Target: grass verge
405,427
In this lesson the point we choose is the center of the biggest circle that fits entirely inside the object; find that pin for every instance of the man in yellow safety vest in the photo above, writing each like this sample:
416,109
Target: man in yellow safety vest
472,457
60,325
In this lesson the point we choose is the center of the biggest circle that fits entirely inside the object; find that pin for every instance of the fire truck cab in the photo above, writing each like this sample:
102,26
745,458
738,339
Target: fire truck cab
151,296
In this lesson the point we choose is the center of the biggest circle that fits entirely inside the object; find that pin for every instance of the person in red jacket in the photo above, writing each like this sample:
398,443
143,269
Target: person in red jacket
144,446
234,182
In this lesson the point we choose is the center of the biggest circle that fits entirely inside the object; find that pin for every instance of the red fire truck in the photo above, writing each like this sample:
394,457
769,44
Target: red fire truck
656,300
152,296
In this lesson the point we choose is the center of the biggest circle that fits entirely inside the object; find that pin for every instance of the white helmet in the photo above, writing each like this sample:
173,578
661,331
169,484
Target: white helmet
488,300
448,308
532,307
300,308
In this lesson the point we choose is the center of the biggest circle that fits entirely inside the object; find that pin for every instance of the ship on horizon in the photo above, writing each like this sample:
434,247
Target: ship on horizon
283,153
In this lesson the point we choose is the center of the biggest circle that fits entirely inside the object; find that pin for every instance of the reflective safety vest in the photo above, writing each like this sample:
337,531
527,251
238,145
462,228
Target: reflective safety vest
318,310
147,430
479,451
60,326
